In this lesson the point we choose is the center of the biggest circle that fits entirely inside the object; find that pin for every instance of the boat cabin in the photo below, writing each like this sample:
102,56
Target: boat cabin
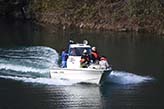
75,51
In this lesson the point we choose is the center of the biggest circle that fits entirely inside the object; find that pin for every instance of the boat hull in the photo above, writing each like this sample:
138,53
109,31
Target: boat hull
80,75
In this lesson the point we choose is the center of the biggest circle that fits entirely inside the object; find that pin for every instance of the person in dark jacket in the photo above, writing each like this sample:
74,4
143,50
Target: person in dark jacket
85,59
64,57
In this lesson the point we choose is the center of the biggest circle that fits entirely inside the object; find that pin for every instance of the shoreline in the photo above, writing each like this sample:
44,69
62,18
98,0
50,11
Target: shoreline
127,25
111,15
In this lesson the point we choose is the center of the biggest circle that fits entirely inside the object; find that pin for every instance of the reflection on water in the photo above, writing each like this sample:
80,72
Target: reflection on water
80,96
109,96
143,96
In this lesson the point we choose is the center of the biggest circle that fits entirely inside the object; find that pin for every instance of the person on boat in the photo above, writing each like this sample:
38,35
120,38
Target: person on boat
85,59
73,52
94,55
64,57
104,63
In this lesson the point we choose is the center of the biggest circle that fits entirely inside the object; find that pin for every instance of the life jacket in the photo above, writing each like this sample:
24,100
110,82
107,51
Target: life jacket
96,56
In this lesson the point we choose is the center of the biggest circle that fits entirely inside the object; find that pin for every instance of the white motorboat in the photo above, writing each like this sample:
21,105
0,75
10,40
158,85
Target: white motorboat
80,75
93,74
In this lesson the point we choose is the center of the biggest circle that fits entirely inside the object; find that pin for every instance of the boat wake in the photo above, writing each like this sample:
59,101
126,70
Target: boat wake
29,61
44,81
116,77
32,64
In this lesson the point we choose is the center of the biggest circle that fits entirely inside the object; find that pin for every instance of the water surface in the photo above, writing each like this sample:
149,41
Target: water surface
28,51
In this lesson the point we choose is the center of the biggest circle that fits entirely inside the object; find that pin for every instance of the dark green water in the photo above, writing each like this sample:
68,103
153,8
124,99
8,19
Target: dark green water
28,51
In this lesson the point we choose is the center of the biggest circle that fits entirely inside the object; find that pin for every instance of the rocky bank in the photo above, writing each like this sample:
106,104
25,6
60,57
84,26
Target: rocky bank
114,15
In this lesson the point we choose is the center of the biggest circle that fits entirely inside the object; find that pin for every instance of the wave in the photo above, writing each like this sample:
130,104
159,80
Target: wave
120,77
36,59
46,81
116,77
20,68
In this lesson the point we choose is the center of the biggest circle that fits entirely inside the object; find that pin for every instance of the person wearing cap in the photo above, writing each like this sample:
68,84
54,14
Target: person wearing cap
104,63
94,55
85,60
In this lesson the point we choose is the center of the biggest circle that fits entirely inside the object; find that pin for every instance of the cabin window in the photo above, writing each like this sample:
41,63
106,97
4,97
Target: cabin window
78,51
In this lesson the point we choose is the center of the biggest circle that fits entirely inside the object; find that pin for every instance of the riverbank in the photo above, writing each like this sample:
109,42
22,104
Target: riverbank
114,15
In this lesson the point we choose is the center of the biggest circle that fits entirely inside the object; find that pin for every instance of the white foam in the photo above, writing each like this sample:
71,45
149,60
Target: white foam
47,81
120,77
38,56
21,68
117,77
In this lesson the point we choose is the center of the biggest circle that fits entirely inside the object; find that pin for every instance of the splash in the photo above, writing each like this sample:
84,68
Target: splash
119,77
20,68
116,77
46,81
36,59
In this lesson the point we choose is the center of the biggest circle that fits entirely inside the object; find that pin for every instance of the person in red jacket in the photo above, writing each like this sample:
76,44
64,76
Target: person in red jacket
95,57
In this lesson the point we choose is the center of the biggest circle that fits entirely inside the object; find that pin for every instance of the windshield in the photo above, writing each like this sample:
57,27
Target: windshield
78,51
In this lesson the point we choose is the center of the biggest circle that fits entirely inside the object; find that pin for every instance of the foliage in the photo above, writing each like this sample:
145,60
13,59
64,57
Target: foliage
142,12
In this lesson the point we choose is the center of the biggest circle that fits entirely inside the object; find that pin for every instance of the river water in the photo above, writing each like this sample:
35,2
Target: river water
28,51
